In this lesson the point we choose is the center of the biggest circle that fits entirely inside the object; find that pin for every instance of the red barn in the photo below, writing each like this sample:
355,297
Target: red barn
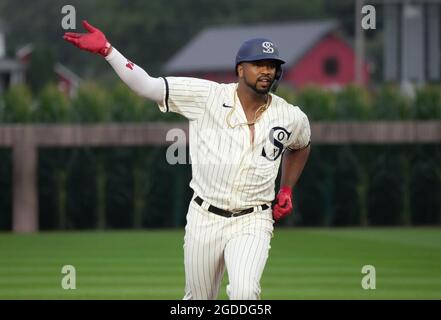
314,51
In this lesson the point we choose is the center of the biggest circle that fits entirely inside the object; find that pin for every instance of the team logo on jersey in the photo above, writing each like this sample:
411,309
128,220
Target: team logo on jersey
268,47
278,136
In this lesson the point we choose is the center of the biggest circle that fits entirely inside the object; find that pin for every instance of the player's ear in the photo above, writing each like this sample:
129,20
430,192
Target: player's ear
240,70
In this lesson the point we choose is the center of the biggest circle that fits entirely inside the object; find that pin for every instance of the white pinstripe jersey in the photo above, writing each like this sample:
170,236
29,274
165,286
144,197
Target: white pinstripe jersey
228,171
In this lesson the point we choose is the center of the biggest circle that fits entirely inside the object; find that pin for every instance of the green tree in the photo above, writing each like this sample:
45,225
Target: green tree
428,103
18,105
286,92
93,105
390,104
53,106
425,172
353,103
317,103
126,106
41,68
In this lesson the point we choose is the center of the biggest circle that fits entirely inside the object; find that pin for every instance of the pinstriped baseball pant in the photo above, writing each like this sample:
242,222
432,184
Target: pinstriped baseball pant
213,243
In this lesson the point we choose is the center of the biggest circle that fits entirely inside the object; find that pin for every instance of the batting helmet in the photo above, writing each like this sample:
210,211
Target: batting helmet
261,49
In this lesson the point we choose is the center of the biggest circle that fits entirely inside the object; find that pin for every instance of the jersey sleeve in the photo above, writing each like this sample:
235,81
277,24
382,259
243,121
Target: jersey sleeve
186,96
302,134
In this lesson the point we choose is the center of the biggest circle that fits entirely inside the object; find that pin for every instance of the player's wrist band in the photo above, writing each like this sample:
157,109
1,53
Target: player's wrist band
106,50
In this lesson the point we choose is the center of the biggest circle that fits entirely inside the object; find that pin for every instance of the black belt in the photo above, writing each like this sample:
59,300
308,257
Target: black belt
226,213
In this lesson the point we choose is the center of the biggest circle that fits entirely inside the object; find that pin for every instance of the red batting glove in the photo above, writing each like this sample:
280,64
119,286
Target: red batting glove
95,41
283,205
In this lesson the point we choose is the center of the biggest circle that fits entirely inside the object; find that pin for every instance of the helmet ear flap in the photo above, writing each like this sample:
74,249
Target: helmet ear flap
279,74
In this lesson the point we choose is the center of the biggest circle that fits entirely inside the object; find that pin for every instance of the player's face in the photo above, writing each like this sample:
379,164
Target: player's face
258,75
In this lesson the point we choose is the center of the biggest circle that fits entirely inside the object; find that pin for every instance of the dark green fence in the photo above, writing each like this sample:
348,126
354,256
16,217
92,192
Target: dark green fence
134,187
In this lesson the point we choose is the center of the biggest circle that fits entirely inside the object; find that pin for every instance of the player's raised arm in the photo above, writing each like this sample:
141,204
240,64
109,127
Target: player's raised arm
135,77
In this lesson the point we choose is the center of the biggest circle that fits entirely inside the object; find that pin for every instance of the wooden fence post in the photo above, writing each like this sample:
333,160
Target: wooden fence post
25,200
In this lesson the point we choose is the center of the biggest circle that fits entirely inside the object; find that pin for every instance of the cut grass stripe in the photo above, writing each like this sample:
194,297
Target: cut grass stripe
303,264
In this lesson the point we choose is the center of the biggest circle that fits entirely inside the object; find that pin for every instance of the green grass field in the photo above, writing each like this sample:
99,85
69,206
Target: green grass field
303,264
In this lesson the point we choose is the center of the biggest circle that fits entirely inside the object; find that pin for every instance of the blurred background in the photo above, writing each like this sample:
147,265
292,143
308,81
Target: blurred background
84,179
336,71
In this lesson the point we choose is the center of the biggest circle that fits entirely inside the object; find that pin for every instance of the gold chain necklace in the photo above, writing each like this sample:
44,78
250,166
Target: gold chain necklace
263,107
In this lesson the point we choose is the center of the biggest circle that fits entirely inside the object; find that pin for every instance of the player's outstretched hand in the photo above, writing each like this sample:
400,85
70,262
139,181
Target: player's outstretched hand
94,41
283,204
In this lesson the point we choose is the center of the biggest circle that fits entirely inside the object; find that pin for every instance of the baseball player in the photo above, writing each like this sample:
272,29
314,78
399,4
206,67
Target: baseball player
239,133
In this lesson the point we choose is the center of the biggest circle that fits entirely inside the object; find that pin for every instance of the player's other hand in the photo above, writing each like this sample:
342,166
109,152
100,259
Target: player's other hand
94,41
283,203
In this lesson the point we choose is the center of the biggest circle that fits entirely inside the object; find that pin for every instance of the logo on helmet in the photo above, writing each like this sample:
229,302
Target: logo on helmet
268,47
